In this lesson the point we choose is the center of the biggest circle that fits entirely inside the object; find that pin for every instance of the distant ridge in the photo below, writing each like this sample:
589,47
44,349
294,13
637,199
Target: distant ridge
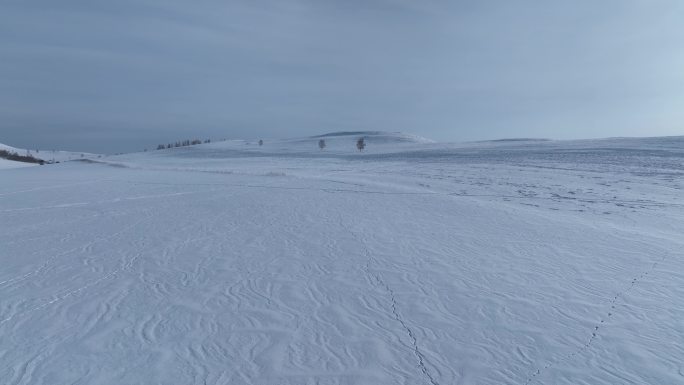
353,133
384,136
513,140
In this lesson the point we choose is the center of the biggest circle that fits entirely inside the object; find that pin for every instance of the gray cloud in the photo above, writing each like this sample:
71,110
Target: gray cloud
119,76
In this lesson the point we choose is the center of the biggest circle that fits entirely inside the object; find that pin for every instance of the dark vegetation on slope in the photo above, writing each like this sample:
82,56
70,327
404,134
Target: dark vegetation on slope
182,143
19,158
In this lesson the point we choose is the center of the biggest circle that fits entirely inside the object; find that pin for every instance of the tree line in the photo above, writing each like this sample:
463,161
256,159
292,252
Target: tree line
28,158
182,143
360,143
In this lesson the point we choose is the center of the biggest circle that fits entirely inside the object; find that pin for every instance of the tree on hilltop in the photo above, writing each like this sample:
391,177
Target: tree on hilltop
361,144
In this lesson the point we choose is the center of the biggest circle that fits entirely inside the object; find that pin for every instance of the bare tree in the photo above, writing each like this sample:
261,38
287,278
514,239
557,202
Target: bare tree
360,144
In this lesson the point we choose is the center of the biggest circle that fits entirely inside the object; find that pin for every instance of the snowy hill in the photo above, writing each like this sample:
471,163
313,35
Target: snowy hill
377,137
511,262
619,154
336,143
51,155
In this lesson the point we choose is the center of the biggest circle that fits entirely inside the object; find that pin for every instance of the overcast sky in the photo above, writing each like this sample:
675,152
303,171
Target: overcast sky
121,75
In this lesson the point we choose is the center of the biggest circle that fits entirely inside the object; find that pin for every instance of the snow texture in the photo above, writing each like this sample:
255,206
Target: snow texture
6,163
507,262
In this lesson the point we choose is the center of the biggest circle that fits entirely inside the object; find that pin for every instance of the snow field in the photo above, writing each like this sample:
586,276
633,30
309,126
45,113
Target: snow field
515,264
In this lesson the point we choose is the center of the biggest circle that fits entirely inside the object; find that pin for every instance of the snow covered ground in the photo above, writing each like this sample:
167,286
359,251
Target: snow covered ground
508,262
5,164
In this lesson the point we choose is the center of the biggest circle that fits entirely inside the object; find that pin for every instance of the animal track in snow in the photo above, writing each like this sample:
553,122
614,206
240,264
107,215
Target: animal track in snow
607,315
377,278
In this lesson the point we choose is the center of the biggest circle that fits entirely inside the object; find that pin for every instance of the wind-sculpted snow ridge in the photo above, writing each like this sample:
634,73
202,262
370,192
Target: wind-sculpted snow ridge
512,262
